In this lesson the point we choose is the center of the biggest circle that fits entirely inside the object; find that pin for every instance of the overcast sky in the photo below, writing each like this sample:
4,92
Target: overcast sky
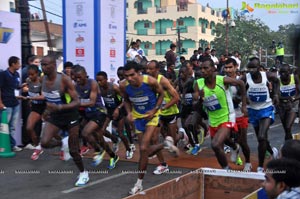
273,17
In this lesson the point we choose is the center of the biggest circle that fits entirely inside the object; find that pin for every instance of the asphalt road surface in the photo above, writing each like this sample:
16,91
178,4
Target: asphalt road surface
51,178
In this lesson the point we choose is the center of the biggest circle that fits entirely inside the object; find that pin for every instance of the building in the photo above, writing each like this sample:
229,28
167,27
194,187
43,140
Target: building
158,23
38,38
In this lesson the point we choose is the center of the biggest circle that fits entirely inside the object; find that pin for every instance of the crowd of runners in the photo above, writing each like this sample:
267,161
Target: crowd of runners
162,109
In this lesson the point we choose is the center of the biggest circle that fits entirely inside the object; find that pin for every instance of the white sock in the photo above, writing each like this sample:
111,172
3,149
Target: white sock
139,182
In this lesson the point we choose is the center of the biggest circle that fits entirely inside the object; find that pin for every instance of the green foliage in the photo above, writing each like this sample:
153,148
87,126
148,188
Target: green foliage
251,34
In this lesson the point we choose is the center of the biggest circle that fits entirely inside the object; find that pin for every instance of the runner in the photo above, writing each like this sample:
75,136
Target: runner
37,106
212,91
260,108
168,113
288,99
230,69
95,114
114,105
143,97
61,115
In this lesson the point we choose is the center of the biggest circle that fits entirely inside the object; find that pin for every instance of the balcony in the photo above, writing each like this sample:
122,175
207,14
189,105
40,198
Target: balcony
142,31
142,12
161,9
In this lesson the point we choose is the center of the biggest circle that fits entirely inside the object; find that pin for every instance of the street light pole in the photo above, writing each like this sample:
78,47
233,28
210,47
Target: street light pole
227,28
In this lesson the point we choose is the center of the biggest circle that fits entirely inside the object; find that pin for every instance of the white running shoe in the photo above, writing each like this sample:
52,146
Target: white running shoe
132,147
275,153
17,149
248,167
226,149
29,146
260,170
169,144
129,154
234,153
135,189
160,169
83,179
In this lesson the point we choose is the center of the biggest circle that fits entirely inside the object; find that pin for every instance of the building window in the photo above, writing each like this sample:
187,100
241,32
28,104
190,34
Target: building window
40,51
12,7
180,22
147,25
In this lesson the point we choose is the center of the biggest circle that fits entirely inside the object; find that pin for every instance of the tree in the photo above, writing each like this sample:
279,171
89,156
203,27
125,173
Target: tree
250,34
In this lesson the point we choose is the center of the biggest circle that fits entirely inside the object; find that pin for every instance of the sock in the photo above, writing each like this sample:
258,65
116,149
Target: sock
38,147
139,182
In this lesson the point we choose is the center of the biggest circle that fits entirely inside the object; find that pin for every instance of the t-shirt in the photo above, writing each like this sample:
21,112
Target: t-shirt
9,83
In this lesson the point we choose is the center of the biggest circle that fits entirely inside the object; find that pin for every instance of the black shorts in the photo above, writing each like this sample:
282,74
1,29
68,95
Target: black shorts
122,113
38,108
168,119
99,119
64,120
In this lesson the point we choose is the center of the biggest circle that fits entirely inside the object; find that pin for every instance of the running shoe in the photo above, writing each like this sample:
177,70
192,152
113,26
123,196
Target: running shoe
275,153
113,162
17,149
169,144
132,147
135,189
115,147
83,179
248,167
235,153
29,146
84,150
195,150
185,139
260,170
152,157
226,149
129,154
160,169
36,154
239,161
98,158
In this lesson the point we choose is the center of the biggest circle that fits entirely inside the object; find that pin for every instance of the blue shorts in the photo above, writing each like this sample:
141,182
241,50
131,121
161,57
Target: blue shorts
256,115
140,124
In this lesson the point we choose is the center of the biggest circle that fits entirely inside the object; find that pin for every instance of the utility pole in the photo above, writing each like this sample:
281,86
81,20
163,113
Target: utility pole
23,8
227,28
178,29
49,42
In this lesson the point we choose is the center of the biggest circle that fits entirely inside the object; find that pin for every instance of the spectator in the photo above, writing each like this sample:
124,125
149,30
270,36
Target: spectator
214,58
237,59
282,179
9,85
171,56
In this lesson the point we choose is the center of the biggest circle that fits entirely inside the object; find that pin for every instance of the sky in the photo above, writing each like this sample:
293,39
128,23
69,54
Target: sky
272,17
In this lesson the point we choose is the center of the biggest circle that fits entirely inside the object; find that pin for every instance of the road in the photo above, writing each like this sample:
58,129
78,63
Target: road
51,178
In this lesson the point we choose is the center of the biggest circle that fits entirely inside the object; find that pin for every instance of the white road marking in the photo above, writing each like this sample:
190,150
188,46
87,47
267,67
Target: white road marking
94,182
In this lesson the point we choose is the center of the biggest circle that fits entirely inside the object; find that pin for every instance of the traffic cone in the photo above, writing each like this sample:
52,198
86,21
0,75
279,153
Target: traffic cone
5,148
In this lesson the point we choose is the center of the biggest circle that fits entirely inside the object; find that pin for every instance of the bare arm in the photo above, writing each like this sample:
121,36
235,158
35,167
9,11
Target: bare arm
241,85
170,89
93,95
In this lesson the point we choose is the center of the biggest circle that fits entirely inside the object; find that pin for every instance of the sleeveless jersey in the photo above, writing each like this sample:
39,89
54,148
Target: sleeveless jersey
110,97
167,98
258,94
288,90
217,102
237,106
34,89
143,98
84,93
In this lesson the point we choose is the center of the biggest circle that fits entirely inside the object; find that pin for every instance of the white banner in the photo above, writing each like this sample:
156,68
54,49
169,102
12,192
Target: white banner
112,31
79,33
10,45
